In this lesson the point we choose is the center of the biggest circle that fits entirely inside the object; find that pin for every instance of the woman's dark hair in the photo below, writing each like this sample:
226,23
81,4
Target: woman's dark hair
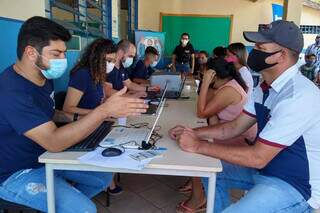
94,59
226,70
185,34
204,52
38,32
219,52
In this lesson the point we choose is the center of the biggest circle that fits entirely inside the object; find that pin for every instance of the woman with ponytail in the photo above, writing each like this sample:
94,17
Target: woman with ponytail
226,104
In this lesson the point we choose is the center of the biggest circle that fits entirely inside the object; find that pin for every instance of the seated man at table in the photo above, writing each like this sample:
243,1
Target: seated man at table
281,170
27,127
144,67
119,77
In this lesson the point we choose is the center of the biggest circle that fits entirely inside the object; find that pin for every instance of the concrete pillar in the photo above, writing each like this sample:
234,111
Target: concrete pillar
292,10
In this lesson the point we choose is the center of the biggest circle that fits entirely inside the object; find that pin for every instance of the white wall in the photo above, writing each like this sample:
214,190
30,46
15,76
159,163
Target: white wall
22,9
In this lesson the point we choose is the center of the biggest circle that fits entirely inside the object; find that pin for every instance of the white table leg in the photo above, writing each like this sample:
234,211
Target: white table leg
50,188
211,193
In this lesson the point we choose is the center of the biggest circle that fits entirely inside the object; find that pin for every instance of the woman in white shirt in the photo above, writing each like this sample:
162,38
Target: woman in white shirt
237,53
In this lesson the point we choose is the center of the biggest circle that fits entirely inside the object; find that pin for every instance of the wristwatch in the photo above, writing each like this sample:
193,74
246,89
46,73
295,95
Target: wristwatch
75,116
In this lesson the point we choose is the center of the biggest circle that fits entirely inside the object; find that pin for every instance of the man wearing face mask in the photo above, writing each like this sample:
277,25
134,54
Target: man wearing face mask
144,68
183,56
315,49
310,69
281,169
27,128
119,77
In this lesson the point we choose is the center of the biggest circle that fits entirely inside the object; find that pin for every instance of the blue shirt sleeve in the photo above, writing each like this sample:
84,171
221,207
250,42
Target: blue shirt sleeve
80,80
22,113
140,71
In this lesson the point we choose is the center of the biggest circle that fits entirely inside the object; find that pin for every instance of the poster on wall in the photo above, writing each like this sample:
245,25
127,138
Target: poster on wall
277,12
143,39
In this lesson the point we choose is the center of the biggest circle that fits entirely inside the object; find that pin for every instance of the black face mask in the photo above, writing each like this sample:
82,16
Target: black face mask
257,60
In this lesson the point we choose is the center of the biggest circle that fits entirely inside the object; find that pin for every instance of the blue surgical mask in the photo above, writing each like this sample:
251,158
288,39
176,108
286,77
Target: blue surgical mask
57,68
128,62
310,63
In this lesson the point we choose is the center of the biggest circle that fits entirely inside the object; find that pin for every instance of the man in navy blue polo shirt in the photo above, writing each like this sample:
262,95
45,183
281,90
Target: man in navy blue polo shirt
144,67
119,77
27,126
281,171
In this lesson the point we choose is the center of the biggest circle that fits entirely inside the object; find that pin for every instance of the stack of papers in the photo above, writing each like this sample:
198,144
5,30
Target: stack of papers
130,159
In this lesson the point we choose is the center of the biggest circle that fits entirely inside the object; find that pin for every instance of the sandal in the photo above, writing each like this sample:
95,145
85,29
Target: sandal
182,208
186,189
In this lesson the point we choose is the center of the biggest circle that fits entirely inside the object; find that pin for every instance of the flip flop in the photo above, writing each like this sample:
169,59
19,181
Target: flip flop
182,208
185,189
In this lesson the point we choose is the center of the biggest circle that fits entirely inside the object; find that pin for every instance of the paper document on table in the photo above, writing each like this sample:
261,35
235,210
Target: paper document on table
123,161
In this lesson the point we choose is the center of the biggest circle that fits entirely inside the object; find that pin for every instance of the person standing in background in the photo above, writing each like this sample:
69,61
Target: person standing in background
183,56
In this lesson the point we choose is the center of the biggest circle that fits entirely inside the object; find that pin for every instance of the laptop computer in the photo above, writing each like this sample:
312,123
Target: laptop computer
155,103
130,138
176,94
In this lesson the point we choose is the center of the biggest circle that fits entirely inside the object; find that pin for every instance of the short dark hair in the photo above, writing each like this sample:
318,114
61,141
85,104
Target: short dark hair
220,51
124,45
185,34
38,32
151,50
310,55
204,52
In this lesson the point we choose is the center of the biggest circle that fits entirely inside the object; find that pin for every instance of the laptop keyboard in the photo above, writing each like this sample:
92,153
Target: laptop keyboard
91,142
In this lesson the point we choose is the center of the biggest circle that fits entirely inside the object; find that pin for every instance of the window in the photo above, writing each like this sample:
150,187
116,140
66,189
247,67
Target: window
82,17
310,29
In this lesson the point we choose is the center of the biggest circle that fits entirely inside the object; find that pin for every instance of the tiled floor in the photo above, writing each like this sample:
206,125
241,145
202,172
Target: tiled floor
146,194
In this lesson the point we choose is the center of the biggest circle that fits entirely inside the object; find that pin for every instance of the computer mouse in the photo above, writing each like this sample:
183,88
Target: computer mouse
111,152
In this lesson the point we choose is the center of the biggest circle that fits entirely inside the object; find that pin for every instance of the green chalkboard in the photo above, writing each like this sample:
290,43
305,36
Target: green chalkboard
206,32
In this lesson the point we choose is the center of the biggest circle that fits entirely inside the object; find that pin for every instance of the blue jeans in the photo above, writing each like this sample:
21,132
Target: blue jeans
265,194
28,187
183,68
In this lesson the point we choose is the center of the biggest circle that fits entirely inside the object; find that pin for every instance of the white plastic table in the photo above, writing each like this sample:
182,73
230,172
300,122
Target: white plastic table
174,161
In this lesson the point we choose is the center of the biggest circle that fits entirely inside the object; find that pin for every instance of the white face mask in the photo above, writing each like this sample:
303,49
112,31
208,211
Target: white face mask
184,42
128,62
154,64
109,67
